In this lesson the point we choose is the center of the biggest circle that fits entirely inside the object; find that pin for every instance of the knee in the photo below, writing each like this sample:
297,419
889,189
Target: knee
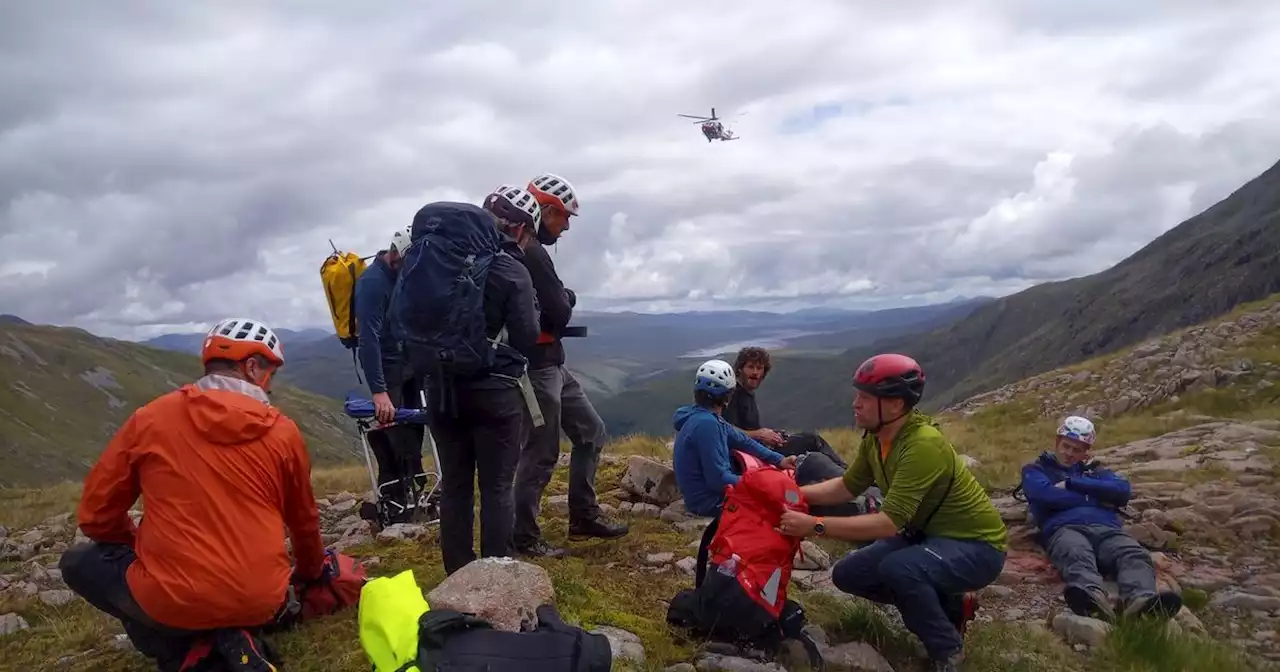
855,575
79,566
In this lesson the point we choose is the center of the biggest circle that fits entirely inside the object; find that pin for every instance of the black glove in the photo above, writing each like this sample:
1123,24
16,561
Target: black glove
573,298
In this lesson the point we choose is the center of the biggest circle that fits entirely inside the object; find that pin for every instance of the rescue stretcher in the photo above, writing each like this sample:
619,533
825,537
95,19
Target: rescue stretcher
423,489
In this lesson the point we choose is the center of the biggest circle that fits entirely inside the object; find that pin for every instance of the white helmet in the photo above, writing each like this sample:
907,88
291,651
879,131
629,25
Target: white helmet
400,241
238,338
715,376
555,190
516,205
1078,428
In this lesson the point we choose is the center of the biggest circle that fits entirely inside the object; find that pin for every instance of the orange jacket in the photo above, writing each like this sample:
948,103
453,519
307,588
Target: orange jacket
221,474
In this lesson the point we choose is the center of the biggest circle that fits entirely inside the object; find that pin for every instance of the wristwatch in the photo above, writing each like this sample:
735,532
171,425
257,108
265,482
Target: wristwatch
819,528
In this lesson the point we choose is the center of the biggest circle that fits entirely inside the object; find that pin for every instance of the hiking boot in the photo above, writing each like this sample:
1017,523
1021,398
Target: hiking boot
1164,605
1089,603
597,527
541,549
952,663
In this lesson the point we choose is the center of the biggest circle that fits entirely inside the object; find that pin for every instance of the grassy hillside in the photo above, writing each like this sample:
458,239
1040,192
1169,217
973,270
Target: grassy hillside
65,392
612,583
1223,257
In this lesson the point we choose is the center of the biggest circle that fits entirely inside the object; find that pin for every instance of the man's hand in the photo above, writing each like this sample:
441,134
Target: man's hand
767,436
796,524
383,409
788,462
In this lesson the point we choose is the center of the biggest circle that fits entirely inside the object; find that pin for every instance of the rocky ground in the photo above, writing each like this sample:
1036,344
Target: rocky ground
1156,371
1205,501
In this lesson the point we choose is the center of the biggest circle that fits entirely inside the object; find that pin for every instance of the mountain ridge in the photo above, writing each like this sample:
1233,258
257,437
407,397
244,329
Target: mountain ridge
1204,267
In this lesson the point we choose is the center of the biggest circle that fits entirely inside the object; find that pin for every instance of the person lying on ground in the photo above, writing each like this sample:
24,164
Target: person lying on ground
1075,502
397,449
480,427
938,537
703,464
563,403
222,473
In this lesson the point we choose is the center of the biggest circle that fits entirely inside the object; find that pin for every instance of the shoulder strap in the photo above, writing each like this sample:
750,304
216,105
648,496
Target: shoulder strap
951,481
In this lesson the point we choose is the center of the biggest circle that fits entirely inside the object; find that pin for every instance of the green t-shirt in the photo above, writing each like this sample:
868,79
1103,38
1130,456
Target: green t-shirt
914,477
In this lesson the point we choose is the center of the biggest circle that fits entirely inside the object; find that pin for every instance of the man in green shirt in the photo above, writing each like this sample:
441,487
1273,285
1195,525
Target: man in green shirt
937,535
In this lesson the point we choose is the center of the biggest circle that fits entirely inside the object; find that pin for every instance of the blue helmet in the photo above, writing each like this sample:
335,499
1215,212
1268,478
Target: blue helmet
715,377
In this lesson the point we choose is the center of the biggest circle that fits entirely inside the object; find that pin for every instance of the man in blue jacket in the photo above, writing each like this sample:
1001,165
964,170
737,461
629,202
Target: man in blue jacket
1076,503
702,462
398,450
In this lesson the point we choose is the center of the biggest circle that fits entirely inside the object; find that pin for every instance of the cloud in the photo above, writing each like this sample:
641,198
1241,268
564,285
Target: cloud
163,165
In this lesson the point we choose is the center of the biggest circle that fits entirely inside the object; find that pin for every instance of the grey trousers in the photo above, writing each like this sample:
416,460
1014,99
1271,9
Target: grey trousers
564,405
1082,553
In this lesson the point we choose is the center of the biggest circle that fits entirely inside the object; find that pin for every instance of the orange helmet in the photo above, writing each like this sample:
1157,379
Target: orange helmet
240,338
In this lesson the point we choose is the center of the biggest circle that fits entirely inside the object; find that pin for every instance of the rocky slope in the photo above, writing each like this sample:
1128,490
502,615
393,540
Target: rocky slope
1236,351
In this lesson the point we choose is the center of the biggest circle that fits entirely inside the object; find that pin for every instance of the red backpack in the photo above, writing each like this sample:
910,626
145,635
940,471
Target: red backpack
743,598
337,588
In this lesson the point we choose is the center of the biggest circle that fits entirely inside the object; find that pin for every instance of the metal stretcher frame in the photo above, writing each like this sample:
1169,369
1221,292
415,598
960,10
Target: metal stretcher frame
362,411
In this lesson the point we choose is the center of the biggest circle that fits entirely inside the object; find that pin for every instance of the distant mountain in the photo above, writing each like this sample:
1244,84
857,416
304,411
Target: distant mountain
620,347
66,392
1227,255
190,342
12,319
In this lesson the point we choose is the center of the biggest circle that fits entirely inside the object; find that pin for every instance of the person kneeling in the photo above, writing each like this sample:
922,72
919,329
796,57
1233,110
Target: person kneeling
937,538
222,473
1075,502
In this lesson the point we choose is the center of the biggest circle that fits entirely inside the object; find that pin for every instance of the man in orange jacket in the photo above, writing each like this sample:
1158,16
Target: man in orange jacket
222,474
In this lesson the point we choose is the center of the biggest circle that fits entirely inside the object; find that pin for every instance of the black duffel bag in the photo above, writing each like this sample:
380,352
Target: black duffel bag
451,641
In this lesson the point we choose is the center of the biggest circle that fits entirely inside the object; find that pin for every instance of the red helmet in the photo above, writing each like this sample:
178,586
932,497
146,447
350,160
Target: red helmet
892,376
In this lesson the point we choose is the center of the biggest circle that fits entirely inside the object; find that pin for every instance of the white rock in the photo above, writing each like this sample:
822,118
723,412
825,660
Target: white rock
625,645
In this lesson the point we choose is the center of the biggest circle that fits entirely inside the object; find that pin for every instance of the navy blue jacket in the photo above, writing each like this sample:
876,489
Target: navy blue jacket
377,350
1092,496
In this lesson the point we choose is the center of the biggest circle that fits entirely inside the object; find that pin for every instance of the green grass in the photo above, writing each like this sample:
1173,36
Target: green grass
1146,646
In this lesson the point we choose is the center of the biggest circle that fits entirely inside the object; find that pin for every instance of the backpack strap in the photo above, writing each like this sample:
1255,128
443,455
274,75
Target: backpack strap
704,550
913,531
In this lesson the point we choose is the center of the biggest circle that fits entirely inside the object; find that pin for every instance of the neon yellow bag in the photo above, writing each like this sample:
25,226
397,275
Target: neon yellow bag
390,607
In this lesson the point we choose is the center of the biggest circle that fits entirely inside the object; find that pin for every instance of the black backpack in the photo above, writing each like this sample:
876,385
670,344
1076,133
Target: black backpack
437,306
451,641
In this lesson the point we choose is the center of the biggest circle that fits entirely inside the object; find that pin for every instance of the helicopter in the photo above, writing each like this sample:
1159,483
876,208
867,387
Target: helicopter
712,129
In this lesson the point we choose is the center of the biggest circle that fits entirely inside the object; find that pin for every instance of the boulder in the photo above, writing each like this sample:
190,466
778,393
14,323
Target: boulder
651,481
504,591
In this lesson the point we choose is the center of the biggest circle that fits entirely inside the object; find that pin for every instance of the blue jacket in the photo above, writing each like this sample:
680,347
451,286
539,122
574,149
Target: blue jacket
1092,496
702,463
377,349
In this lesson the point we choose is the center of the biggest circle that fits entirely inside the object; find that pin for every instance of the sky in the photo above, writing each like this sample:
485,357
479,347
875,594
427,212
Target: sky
164,165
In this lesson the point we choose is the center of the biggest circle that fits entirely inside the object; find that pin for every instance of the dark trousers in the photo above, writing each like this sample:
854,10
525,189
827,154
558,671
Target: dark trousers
925,581
484,440
96,572
398,450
